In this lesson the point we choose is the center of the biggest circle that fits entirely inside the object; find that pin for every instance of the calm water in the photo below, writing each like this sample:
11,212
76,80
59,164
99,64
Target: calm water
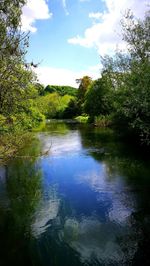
84,202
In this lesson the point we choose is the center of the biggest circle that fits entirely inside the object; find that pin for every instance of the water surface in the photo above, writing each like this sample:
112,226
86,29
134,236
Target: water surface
84,201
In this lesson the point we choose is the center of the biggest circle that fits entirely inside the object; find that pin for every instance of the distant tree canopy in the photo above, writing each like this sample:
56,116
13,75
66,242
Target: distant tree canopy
61,90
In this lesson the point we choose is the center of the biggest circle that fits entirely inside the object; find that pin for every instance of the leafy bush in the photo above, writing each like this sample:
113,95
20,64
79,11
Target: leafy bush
82,119
103,120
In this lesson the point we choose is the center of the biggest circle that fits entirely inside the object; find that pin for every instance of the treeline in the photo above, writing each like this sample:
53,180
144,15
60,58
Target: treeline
61,90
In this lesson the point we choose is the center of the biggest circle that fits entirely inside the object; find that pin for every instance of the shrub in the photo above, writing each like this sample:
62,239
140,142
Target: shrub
82,119
103,120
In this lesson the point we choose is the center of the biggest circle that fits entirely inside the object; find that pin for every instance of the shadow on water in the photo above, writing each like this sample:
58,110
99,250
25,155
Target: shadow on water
87,203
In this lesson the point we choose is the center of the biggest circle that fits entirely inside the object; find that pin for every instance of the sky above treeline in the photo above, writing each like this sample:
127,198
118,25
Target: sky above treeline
67,37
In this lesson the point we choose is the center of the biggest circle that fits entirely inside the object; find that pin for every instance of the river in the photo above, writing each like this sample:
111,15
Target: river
76,196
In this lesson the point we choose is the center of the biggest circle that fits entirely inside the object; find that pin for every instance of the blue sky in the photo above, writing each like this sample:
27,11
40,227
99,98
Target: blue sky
68,36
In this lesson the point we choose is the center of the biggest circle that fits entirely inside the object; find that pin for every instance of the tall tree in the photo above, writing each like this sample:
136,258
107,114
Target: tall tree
130,74
83,86
14,77
98,99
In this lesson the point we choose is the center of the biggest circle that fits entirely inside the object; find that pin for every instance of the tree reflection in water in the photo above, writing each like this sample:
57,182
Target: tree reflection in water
132,165
20,185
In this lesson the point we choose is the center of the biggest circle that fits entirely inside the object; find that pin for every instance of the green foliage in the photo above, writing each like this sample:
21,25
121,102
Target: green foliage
23,121
11,143
64,102
72,109
2,122
130,77
84,84
17,82
103,120
39,88
29,120
61,90
82,119
14,78
52,105
123,91
98,98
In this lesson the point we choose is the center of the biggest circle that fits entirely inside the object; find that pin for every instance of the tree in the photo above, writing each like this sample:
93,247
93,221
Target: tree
40,88
83,86
130,74
71,110
14,76
97,98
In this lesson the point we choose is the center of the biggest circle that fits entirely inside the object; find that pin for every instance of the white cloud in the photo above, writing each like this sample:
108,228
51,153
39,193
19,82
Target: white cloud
61,76
96,15
32,11
84,0
105,34
65,7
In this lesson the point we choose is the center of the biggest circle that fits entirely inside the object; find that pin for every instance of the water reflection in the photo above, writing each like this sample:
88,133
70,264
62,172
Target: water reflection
60,145
20,185
94,211
91,206
98,242
47,212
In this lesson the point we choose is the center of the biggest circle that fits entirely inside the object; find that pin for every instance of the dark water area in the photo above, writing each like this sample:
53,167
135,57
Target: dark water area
77,196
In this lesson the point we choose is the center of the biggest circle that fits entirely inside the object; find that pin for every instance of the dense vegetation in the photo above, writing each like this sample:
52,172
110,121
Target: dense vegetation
17,81
54,101
121,96
61,90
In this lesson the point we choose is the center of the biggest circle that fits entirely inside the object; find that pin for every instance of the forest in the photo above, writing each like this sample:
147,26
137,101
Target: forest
119,98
